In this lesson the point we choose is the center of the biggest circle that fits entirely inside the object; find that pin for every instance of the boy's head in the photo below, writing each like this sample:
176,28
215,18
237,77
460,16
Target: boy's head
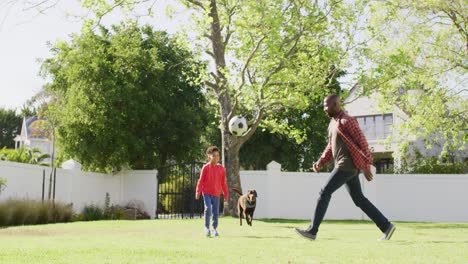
213,154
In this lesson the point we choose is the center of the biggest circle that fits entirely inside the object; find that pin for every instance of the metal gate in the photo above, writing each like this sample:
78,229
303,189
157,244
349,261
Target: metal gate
176,191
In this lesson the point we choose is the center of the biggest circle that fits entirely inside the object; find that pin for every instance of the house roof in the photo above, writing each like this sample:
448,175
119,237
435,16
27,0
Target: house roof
33,128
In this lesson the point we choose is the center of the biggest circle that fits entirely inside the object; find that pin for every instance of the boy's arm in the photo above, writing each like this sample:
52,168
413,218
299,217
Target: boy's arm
225,187
201,182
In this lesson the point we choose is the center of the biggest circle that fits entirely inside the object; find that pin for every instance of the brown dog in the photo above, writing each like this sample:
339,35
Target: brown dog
246,205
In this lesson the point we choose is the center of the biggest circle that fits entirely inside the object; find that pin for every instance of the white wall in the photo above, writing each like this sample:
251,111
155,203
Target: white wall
80,188
292,195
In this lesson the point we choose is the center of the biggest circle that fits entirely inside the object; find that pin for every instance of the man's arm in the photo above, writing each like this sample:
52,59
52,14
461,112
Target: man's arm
358,137
326,155
355,132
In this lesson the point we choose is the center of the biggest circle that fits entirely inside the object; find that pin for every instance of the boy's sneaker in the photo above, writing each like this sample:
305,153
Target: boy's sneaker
388,233
207,232
214,233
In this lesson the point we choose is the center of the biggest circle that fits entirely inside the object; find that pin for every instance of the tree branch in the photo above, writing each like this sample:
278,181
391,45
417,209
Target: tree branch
253,127
246,65
197,3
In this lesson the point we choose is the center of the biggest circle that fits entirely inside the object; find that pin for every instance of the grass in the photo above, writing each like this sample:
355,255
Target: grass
268,241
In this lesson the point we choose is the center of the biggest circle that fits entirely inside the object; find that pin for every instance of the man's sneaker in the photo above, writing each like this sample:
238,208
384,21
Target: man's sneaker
214,233
388,234
207,232
305,234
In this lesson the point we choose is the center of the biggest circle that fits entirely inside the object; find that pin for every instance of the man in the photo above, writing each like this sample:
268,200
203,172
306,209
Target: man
349,150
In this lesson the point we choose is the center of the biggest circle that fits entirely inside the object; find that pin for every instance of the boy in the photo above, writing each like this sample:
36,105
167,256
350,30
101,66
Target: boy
212,181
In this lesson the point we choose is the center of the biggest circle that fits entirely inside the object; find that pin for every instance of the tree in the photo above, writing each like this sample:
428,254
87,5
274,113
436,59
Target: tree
416,59
123,98
294,154
10,127
266,56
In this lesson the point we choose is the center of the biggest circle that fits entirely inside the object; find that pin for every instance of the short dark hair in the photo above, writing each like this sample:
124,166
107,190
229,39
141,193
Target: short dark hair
332,97
211,149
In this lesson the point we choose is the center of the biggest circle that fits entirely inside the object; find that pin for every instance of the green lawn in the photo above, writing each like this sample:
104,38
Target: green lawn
272,241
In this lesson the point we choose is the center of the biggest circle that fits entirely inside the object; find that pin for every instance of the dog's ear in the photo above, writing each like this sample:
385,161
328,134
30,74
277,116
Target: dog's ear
255,192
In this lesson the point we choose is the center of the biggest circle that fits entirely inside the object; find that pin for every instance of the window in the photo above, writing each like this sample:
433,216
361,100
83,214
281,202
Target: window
376,126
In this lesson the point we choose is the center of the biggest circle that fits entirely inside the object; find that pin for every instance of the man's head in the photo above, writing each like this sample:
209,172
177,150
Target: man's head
331,105
213,154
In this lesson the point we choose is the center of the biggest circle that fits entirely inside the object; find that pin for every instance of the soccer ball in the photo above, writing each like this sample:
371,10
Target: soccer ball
238,125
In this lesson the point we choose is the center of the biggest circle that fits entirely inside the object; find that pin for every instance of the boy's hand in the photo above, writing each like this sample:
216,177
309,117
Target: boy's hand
197,196
316,167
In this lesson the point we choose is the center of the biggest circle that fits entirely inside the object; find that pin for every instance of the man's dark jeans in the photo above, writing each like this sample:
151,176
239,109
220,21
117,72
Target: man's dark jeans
351,179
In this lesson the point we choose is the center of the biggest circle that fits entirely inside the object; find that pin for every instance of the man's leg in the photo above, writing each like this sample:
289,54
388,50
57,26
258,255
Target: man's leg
354,188
336,180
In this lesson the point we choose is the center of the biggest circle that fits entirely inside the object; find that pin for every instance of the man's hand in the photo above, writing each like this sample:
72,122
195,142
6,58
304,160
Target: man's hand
368,174
316,167
197,196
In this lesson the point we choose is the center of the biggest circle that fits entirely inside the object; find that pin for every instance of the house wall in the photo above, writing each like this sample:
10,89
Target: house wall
80,188
44,145
293,195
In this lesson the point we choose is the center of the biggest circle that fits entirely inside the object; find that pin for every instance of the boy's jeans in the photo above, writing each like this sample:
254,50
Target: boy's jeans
211,207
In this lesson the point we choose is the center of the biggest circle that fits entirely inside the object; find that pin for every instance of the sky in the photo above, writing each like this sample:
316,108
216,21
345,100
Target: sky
25,39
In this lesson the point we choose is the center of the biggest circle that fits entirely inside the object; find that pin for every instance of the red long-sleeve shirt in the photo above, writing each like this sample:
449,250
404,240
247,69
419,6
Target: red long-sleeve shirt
352,136
213,180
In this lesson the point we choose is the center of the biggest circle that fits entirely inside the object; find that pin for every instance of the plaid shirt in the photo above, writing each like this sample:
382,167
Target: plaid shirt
352,136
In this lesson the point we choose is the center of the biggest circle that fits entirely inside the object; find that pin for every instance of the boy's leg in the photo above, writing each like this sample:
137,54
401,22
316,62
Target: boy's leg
354,188
215,207
208,209
336,180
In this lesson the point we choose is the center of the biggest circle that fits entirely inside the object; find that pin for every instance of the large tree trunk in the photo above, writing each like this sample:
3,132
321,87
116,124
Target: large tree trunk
231,158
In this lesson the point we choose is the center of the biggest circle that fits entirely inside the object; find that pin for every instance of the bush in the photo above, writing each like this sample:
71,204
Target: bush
2,184
24,155
93,213
32,212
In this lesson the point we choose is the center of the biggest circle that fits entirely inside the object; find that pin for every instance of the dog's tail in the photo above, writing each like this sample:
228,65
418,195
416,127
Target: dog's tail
236,190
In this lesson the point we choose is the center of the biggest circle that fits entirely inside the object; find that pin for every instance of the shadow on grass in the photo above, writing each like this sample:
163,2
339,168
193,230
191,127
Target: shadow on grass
294,221
268,237
437,226
412,242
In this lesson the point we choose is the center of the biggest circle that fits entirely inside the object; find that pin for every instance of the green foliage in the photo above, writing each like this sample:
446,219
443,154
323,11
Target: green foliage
10,127
416,59
416,163
32,212
112,212
293,153
125,98
24,155
92,213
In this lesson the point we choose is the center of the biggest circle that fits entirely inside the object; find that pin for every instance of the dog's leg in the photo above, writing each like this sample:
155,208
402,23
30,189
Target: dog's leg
241,214
239,210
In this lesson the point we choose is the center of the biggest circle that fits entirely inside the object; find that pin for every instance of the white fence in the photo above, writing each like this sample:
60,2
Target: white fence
80,188
291,195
